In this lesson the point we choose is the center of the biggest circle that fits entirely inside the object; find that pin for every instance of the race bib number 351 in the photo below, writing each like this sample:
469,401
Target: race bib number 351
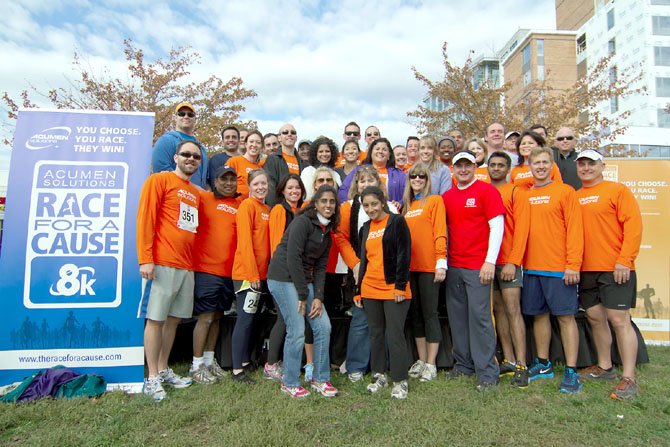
188,217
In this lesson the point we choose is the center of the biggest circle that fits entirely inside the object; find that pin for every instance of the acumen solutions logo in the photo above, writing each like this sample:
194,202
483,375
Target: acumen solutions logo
47,138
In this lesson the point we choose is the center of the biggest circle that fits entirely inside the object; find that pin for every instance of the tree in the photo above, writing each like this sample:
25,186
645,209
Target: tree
151,87
471,106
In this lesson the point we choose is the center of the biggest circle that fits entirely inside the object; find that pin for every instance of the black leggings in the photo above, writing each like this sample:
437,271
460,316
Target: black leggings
387,318
423,308
242,333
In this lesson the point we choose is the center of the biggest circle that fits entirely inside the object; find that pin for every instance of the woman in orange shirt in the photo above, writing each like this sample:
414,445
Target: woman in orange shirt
384,287
250,267
243,164
292,193
521,175
426,218
481,151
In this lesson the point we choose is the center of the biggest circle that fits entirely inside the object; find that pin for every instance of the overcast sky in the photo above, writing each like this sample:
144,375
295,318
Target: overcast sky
317,64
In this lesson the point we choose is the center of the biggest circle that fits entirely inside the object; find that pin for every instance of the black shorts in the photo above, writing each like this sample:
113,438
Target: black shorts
600,288
212,293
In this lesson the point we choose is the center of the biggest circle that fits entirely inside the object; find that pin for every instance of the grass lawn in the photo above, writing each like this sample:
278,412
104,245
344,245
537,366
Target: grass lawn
436,413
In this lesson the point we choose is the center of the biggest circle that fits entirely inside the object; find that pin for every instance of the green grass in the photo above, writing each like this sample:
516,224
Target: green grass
436,413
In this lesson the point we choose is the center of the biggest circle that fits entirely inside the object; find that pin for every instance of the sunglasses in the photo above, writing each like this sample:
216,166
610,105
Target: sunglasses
286,132
421,176
372,134
190,155
189,114
569,138
352,133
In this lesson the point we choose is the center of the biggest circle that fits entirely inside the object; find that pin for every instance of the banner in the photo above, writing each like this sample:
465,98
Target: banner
70,283
649,182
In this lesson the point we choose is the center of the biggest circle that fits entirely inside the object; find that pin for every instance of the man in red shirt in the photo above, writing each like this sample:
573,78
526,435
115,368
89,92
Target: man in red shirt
475,226
607,287
167,219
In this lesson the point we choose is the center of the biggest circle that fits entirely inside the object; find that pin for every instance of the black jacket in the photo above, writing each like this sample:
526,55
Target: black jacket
276,168
397,248
302,255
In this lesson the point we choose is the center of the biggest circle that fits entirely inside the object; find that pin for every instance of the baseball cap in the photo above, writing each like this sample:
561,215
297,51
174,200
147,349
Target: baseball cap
591,154
225,170
463,155
188,105
303,142
509,134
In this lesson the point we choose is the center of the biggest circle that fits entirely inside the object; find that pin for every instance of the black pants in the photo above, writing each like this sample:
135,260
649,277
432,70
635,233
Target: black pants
387,318
423,308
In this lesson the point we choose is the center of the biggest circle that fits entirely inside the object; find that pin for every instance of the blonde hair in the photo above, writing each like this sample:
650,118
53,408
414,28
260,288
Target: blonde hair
537,151
408,196
433,165
319,170
361,171
481,143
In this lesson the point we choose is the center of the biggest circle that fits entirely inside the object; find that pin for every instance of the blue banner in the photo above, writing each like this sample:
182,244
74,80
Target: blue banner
70,284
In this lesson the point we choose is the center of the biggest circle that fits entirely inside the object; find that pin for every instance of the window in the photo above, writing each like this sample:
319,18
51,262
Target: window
581,43
660,2
525,69
662,56
614,101
663,87
663,118
611,46
539,49
660,25
610,19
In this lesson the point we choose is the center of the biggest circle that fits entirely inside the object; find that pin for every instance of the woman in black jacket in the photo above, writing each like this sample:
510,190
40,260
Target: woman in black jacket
385,252
296,279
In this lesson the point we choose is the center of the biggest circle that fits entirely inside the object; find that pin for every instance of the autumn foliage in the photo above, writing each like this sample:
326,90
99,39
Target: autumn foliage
472,109
151,87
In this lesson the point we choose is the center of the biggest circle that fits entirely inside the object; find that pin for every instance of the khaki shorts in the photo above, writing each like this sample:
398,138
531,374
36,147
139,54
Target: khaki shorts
170,293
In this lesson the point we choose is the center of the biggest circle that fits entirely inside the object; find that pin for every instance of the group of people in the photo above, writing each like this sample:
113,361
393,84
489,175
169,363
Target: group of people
500,220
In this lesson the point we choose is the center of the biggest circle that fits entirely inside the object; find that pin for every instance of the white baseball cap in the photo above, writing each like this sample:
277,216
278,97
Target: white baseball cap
591,154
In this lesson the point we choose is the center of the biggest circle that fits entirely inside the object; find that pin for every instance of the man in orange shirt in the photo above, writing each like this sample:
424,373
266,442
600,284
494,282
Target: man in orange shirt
280,164
607,288
552,262
167,219
214,250
510,327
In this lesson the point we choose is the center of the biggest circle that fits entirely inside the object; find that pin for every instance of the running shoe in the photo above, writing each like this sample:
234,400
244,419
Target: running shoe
399,390
540,371
429,372
379,381
216,370
326,389
174,380
296,392
507,368
595,372
272,372
355,376
571,383
202,375
626,389
416,369
242,378
521,376
456,373
154,388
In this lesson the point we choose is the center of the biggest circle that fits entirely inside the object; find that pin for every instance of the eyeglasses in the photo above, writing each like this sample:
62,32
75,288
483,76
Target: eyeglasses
372,134
352,133
569,138
286,132
421,176
190,155
189,114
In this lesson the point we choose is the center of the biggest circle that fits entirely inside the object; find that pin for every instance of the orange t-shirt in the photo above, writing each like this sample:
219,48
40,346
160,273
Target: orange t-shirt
614,224
168,207
482,174
242,167
292,163
427,224
374,285
252,255
383,174
517,224
522,176
341,238
216,240
556,235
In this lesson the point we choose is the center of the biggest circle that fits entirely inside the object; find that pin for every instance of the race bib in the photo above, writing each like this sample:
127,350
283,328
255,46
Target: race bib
188,217
251,301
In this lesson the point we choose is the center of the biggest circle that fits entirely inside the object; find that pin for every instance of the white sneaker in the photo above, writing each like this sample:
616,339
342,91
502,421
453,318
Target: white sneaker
202,375
172,379
216,370
154,388
429,373
355,376
379,381
416,369
400,390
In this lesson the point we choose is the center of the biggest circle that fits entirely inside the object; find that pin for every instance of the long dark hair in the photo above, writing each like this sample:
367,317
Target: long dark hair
310,209
279,191
379,194
535,136
314,148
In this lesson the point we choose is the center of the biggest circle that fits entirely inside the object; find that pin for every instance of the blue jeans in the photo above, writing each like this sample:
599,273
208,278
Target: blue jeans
358,342
287,299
